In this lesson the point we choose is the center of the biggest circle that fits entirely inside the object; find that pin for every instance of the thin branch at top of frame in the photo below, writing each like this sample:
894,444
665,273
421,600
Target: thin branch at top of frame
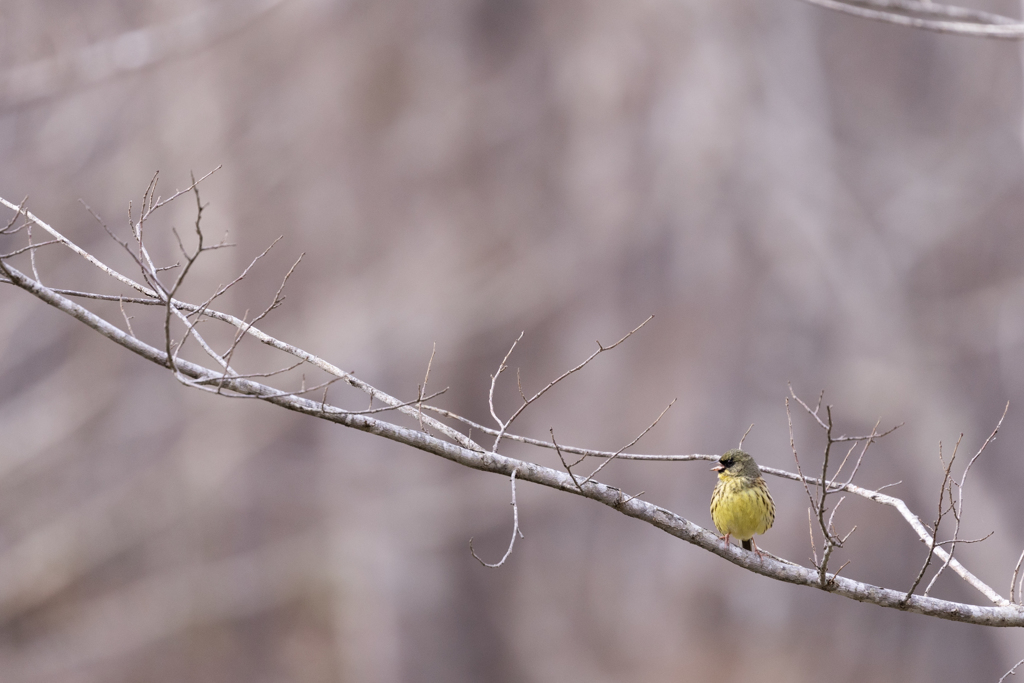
913,14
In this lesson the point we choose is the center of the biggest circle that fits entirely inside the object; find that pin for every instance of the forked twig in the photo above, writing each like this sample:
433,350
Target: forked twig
631,443
818,500
503,425
565,464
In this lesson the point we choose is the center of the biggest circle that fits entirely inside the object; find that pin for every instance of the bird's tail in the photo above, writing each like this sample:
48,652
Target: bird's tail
746,545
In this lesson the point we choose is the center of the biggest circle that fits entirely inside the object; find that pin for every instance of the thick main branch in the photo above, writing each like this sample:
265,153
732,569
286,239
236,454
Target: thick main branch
1003,615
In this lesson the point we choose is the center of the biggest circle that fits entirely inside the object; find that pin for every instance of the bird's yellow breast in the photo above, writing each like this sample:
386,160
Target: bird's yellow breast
742,507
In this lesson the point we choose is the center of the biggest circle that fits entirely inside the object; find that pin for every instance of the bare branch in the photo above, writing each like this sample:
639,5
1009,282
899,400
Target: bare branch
515,530
155,299
384,409
842,566
635,495
874,435
32,253
272,373
568,469
984,25
1011,672
864,450
31,248
913,520
191,188
490,395
600,349
956,507
423,387
967,540
462,450
963,477
488,461
830,537
277,296
575,450
831,527
810,531
812,413
631,443
744,437
792,445
9,229
938,520
1013,581
275,302
127,318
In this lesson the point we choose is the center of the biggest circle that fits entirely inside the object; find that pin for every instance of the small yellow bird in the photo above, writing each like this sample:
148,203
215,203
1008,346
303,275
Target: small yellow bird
741,505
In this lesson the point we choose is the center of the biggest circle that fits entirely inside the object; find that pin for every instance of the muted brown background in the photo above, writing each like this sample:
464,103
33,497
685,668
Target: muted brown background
797,196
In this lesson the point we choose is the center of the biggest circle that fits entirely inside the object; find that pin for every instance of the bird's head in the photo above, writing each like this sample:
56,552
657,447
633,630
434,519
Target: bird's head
736,463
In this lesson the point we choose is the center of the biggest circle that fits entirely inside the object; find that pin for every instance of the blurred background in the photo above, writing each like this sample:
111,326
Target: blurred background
797,196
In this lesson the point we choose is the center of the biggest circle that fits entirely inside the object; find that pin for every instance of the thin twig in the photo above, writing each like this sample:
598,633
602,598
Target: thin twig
956,507
640,436
810,530
32,253
515,529
1013,581
275,302
127,318
946,477
635,495
423,387
838,439
600,349
575,450
271,373
502,367
792,445
32,249
564,464
841,568
384,409
864,450
9,229
1011,672
744,437
828,540
985,25
966,540
831,527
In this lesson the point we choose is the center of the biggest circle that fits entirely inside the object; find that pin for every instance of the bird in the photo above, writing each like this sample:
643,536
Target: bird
741,505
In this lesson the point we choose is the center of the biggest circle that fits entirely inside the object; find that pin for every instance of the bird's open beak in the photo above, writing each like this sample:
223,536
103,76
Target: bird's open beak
718,468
